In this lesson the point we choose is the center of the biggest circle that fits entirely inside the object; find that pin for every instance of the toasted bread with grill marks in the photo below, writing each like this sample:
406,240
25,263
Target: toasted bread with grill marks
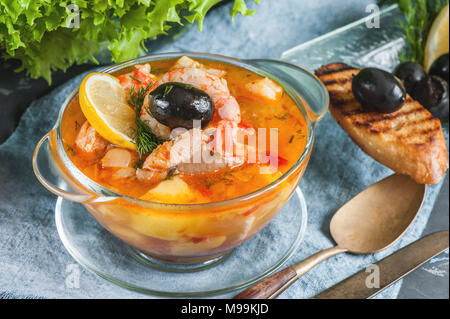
410,141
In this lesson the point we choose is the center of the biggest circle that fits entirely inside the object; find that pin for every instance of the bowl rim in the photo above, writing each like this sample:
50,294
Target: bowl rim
103,191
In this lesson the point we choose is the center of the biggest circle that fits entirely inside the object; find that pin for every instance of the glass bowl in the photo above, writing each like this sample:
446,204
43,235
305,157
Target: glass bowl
96,249
185,233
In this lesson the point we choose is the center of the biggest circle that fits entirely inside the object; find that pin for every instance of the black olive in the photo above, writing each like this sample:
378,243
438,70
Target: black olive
178,105
440,67
378,90
410,73
432,93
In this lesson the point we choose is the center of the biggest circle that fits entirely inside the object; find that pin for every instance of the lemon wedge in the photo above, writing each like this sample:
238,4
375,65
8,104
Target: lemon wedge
103,102
437,42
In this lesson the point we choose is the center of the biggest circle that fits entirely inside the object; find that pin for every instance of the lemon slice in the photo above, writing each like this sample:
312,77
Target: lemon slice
103,102
437,42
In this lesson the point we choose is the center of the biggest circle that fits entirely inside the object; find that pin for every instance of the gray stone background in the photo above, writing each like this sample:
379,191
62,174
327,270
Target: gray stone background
277,26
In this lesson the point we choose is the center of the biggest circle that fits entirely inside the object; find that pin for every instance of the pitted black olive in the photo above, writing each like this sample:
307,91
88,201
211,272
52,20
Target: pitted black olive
177,104
378,90
432,93
440,67
410,73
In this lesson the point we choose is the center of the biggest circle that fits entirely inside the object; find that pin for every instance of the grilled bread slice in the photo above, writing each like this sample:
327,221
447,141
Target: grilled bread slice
410,141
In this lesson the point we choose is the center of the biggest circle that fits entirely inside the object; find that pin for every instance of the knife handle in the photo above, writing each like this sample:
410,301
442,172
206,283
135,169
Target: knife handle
274,285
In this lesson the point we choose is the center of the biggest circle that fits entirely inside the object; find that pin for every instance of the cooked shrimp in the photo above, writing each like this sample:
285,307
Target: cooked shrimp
204,79
186,62
180,153
89,141
141,77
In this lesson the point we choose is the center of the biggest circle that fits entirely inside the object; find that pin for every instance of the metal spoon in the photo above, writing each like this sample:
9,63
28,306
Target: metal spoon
371,221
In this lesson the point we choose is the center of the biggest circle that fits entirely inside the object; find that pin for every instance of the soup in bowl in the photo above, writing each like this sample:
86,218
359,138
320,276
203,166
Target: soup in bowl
184,156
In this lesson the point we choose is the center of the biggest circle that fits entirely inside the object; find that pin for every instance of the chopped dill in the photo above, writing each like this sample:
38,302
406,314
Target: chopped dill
138,164
167,89
145,140
282,117
135,78
291,139
172,172
70,149
208,184
227,181
158,70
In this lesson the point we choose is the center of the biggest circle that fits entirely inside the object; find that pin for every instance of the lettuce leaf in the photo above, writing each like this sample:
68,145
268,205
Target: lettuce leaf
41,35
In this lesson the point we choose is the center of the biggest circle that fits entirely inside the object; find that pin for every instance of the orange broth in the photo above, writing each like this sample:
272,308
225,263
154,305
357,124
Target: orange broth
227,183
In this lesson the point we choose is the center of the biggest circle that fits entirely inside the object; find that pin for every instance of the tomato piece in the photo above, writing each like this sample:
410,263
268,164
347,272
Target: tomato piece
122,79
244,125
205,191
281,160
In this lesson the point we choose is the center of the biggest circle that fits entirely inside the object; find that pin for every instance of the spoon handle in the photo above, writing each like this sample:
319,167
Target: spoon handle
274,285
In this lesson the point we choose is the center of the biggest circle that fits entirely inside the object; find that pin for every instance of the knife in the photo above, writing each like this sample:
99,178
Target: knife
391,268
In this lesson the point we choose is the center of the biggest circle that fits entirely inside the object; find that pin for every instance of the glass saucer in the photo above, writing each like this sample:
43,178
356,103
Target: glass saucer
110,258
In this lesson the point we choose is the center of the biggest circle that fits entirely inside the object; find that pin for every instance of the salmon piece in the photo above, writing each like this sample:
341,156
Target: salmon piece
89,141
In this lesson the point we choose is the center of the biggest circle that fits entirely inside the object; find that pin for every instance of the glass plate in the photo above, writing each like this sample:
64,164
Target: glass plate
355,44
110,258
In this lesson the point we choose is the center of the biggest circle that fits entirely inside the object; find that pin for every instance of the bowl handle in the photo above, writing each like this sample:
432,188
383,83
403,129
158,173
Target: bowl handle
311,90
49,173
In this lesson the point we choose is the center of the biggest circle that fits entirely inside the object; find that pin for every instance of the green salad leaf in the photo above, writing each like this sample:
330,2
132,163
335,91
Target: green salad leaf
49,35
419,16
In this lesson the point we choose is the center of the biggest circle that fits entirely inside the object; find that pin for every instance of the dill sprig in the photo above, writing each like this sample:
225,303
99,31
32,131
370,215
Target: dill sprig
135,78
145,140
419,17
167,89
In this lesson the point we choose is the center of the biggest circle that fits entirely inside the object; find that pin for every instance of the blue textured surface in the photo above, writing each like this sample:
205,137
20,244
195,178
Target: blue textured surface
32,259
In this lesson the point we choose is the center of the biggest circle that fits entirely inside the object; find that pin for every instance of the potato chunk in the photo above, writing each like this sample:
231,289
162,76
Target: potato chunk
172,191
265,88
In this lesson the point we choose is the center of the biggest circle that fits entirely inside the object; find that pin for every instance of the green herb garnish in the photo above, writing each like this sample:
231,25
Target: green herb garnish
167,89
208,184
135,78
138,164
145,140
227,181
70,149
172,172
291,139
158,70
419,17
282,117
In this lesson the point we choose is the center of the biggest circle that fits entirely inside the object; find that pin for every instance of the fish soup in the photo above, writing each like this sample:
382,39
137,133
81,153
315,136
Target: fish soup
156,165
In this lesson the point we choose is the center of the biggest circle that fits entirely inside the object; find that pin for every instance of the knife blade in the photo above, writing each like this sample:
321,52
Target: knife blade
391,269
